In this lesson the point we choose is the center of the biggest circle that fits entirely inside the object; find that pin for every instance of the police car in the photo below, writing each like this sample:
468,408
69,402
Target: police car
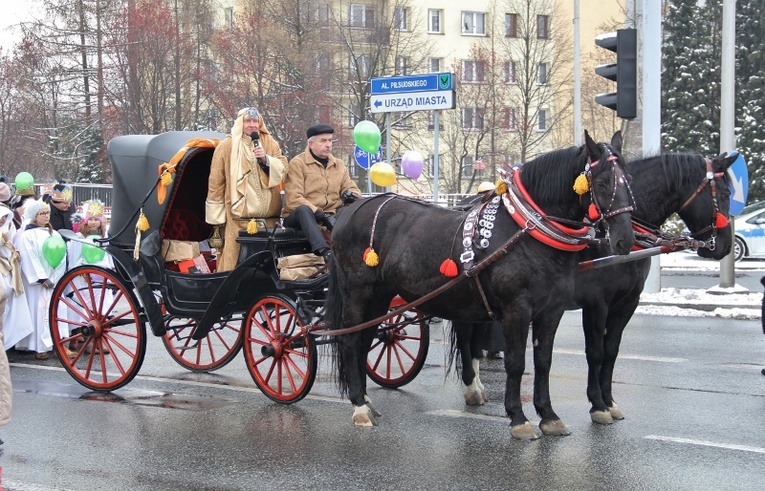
750,232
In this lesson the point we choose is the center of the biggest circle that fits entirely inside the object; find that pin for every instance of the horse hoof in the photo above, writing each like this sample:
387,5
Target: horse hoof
601,417
474,398
484,396
375,412
616,413
524,432
362,416
554,428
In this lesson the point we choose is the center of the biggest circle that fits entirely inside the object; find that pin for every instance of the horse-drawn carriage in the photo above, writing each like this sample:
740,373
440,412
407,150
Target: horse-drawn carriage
204,319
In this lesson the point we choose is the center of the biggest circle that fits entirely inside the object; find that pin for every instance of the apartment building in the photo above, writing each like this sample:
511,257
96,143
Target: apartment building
513,67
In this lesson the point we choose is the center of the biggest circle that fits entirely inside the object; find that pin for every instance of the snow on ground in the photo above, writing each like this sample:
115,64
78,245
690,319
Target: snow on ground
735,303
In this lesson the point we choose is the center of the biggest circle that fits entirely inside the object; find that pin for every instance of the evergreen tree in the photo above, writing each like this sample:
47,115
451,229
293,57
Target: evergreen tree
691,77
750,92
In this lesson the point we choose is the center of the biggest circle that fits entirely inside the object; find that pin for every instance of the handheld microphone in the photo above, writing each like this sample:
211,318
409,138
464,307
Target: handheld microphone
255,136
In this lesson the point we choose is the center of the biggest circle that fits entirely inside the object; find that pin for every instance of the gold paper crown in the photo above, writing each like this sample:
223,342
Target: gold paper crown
95,209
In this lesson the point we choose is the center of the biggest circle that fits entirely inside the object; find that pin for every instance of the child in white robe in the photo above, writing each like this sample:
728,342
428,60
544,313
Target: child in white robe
15,321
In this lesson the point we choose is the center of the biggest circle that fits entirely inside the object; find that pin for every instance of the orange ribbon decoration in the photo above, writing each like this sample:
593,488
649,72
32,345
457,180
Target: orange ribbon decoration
168,168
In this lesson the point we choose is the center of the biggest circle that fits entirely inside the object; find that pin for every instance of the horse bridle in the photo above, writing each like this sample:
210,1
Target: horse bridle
709,180
619,178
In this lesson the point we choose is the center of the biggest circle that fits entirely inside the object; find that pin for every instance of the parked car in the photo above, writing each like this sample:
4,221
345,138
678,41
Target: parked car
750,232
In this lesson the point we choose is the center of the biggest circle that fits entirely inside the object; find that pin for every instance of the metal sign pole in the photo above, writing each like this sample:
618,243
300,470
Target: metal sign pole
387,140
436,123
727,109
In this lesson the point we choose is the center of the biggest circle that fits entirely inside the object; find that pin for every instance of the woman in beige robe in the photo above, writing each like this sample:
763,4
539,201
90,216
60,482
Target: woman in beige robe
240,188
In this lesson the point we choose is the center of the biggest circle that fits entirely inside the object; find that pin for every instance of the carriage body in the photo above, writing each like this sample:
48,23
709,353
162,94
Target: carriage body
203,319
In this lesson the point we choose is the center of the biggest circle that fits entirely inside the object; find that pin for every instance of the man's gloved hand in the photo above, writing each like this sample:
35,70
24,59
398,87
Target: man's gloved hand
319,215
329,222
349,197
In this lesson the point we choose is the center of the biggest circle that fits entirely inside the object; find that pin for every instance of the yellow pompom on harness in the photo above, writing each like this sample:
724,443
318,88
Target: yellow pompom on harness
370,257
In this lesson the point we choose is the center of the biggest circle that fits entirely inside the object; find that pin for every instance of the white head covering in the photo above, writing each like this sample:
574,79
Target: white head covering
8,214
31,208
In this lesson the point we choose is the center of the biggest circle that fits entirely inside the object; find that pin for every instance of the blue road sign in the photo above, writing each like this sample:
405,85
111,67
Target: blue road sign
412,83
738,176
365,159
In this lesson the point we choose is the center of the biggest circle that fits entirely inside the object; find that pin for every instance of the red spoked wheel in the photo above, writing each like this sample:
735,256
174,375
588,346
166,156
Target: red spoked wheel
401,346
214,351
280,354
95,315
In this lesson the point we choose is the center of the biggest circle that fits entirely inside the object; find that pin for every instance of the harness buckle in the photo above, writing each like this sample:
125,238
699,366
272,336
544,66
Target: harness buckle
467,256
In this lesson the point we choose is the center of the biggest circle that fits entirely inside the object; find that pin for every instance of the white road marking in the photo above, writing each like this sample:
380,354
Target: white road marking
704,443
622,356
453,413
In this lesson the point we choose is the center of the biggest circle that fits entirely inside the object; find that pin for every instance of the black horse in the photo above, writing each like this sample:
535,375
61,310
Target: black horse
689,184
520,271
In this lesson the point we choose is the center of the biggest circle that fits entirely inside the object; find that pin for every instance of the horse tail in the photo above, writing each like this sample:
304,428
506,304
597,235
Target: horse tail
333,316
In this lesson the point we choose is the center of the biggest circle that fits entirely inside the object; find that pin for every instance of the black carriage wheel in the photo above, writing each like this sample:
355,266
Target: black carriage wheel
214,351
280,354
399,351
94,314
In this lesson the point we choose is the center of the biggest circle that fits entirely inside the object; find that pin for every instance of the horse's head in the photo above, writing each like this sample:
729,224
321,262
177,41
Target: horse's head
707,211
610,196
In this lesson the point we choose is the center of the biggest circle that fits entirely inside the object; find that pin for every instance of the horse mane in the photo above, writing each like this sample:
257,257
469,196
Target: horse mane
678,169
544,179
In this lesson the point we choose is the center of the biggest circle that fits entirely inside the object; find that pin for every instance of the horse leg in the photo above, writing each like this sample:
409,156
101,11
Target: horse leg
516,328
544,328
593,325
617,322
468,338
350,346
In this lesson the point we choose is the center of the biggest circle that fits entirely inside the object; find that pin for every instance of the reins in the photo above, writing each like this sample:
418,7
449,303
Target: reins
319,328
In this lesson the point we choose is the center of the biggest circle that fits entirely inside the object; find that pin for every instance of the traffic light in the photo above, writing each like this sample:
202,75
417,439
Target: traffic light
624,72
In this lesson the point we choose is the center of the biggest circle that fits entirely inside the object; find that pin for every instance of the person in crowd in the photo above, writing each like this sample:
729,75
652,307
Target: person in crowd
246,172
94,224
317,185
5,194
15,320
39,276
20,196
60,199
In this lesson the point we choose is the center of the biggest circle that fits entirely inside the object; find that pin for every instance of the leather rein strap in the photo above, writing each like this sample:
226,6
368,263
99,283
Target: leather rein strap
318,329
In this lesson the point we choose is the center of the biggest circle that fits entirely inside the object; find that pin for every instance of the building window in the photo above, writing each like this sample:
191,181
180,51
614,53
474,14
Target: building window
473,23
542,74
353,168
472,118
432,121
509,119
400,20
361,15
401,65
228,14
511,25
543,26
542,120
323,69
434,65
353,119
322,14
510,72
359,67
434,21
473,71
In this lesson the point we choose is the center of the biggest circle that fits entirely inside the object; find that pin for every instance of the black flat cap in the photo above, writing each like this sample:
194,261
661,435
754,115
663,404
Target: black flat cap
319,129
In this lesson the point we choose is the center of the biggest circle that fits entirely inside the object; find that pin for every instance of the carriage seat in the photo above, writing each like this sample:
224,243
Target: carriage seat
183,224
285,241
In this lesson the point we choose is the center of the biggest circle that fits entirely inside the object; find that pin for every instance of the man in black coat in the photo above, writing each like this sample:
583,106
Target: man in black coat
60,199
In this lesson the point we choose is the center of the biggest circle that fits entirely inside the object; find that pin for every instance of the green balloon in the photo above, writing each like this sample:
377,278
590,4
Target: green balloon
366,134
24,180
92,253
54,250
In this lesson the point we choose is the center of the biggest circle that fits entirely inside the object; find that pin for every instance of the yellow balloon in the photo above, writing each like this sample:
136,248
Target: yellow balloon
382,174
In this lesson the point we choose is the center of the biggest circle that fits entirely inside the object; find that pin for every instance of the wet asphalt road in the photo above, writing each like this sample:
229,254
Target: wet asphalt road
691,390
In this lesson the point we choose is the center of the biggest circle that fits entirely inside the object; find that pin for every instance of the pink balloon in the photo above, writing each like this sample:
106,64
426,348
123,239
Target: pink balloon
411,164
